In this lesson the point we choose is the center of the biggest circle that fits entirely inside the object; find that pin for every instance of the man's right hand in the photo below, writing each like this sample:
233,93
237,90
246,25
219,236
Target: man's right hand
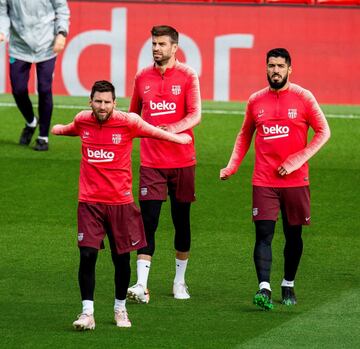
2,37
56,130
184,138
225,174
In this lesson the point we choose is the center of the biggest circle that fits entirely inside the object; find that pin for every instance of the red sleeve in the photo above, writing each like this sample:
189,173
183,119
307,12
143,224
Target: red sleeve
143,129
192,105
135,102
242,143
320,125
67,130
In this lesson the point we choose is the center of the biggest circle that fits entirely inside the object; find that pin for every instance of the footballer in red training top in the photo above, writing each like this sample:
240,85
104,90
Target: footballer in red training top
106,204
280,116
167,95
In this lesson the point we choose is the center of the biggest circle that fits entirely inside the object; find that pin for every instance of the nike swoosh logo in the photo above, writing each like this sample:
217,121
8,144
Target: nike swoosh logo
307,218
146,91
134,243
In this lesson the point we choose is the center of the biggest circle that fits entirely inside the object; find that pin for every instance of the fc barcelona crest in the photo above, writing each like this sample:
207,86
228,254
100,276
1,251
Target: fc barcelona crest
176,89
116,138
292,113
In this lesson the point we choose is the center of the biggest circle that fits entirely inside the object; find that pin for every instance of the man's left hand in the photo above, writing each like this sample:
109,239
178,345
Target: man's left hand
282,171
163,127
59,44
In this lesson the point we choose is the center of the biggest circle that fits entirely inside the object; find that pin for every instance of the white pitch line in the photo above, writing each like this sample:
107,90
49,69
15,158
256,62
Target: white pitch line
57,106
205,111
234,112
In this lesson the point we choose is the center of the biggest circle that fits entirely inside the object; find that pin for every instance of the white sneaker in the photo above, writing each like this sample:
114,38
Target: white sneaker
180,291
138,294
84,322
122,319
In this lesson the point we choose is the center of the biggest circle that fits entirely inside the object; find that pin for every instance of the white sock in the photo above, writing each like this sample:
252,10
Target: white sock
32,123
288,283
143,269
46,139
265,285
180,269
120,304
88,307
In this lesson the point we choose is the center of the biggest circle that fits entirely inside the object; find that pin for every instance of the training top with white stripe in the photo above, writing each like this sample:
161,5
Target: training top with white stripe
281,120
171,99
105,169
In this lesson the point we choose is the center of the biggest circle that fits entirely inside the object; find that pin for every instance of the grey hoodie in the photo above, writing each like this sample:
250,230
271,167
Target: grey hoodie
31,26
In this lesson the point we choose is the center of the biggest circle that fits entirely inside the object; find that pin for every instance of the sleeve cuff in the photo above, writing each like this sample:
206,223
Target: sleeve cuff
63,33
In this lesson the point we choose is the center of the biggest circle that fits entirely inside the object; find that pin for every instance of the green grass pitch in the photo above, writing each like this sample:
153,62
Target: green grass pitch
39,295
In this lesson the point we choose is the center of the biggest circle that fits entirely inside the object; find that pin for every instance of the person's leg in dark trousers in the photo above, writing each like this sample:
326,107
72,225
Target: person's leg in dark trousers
45,72
264,231
122,280
292,255
293,248
19,78
122,268
86,276
122,274
180,213
150,212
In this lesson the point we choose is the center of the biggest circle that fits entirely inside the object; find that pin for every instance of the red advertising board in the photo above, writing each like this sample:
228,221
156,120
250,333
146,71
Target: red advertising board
225,44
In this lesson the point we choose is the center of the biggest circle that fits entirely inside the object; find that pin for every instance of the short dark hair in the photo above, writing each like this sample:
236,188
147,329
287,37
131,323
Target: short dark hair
279,52
103,86
161,30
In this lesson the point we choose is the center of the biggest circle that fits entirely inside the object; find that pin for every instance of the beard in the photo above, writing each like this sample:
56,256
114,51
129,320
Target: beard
162,59
101,117
277,85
